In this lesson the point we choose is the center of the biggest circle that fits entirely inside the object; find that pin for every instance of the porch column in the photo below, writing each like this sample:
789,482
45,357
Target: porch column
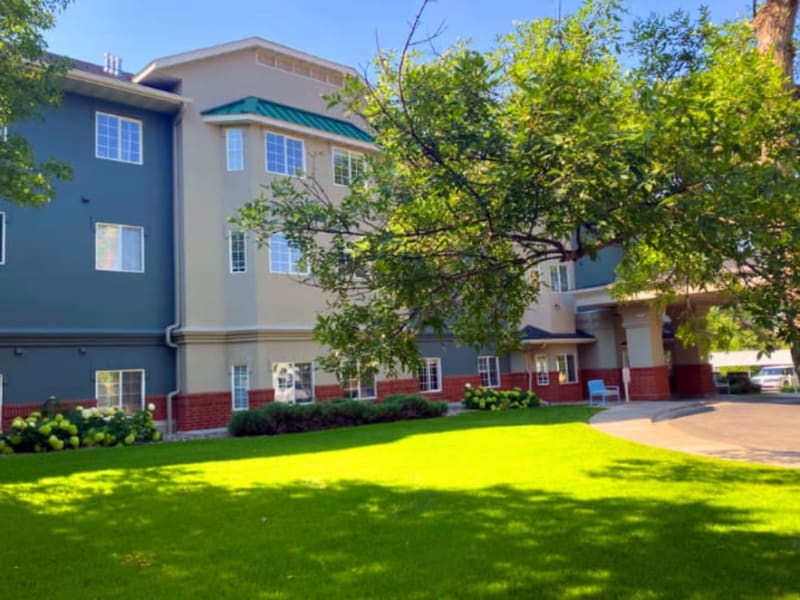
691,371
599,360
643,326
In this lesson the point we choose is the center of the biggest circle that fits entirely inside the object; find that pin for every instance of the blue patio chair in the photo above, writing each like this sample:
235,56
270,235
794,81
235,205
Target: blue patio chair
599,392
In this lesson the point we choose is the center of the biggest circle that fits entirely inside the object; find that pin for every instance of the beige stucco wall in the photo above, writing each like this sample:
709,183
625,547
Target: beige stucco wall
213,299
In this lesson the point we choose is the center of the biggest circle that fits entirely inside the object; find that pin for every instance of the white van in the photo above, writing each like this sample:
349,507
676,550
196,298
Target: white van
772,378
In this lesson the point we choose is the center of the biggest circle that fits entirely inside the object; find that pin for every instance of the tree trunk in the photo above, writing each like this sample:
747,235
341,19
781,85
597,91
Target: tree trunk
774,30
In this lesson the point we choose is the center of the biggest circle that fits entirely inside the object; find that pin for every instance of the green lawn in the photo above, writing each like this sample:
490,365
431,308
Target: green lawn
527,504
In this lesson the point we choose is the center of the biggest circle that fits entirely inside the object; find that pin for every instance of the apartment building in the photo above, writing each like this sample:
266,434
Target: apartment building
133,286
87,281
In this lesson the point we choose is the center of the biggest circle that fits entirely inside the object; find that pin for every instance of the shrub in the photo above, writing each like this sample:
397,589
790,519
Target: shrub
277,417
45,430
490,399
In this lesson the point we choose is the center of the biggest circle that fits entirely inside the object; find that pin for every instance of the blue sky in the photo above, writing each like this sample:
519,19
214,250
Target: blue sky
344,31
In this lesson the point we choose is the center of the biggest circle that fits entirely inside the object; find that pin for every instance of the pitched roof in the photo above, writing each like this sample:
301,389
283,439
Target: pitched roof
530,333
87,67
265,108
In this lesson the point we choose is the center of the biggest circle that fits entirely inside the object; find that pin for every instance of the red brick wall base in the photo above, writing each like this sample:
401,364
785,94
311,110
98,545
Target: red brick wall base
693,380
11,411
649,383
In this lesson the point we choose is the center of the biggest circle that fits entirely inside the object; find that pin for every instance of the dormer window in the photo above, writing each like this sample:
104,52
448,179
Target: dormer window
234,149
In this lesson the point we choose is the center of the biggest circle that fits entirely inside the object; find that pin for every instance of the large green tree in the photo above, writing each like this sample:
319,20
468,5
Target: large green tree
548,147
27,82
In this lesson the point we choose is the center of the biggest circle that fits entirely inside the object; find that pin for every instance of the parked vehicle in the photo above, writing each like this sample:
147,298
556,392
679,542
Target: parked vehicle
772,378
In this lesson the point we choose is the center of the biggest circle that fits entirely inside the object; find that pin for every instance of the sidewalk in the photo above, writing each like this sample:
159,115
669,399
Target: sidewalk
760,430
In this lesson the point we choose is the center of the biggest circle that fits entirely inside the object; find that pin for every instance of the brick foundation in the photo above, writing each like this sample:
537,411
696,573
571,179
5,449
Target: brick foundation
12,411
649,383
693,380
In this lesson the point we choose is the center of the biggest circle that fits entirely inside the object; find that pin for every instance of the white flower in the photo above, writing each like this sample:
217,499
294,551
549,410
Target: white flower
86,413
468,386
151,407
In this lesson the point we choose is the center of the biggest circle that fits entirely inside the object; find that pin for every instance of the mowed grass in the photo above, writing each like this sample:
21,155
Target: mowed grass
524,504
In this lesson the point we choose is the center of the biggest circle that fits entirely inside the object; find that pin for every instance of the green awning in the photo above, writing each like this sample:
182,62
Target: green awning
272,110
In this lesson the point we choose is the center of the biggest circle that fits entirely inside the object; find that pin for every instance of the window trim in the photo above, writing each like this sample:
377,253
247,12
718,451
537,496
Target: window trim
426,361
574,356
488,358
285,153
230,252
120,371
288,245
120,118
228,132
246,387
120,226
2,238
542,377
350,154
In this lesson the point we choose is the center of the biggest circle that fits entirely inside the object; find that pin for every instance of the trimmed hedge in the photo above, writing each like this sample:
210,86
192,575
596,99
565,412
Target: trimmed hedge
276,418
481,398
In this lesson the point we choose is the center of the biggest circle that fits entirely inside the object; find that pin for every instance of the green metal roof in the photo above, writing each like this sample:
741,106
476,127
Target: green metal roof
258,106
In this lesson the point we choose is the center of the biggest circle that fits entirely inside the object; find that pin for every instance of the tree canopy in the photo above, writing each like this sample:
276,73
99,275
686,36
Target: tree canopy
676,142
27,82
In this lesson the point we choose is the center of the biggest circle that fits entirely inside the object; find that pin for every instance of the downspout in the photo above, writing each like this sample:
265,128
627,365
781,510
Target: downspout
177,258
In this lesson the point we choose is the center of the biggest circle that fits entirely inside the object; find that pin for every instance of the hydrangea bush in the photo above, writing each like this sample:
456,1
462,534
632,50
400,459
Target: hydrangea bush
42,432
481,398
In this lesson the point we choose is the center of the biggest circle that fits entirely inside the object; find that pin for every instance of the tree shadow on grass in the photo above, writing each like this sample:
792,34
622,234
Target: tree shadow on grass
164,534
696,470
30,467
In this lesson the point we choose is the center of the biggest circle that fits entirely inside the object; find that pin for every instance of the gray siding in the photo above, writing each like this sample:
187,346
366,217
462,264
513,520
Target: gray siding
458,360
589,273
60,318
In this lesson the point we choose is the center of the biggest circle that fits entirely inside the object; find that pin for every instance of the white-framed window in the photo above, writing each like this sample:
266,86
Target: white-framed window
347,166
120,389
237,252
489,371
567,368
118,138
119,248
3,133
234,149
284,257
364,386
293,382
240,387
284,155
542,372
2,238
559,278
430,376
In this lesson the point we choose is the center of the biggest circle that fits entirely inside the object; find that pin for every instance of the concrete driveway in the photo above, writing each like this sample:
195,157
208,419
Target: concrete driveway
759,429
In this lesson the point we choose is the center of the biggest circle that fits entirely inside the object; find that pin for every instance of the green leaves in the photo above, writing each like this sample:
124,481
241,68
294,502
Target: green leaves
28,81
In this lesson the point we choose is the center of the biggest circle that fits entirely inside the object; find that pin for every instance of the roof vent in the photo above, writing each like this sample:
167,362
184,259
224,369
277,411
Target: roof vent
112,64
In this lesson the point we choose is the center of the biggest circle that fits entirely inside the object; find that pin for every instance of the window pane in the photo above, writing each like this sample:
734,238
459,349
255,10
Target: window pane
295,164
562,275
279,259
368,386
304,389
238,257
235,149
132,249
107,143
130,146
107,247
241,386
572,374
356,167
276,153
341,171
107,388
429,375
132,391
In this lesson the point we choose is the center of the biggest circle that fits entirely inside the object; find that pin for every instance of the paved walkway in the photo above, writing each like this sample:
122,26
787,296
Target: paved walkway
753,429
